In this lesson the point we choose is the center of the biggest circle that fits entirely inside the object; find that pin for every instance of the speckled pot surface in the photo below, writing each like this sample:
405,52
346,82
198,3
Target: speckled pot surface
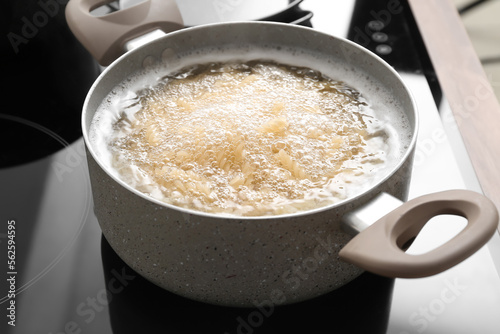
238,261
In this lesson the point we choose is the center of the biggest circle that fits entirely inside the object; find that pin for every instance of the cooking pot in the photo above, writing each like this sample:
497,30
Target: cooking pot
242,261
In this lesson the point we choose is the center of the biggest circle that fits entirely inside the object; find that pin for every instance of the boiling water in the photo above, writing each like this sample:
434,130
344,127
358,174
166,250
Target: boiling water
254,138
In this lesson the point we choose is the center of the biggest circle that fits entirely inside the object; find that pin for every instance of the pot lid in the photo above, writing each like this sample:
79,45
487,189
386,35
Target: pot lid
198,12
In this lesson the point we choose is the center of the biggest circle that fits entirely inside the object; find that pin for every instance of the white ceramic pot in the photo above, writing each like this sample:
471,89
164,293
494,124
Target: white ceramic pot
240,261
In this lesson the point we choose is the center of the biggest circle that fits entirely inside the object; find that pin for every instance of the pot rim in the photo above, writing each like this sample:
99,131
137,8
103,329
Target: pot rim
396,167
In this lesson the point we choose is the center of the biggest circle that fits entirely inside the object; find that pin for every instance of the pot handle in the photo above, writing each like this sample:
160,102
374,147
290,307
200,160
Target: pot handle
105,36
380,248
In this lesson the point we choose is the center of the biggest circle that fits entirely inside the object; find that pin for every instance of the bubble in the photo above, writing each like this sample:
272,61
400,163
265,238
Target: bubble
148,62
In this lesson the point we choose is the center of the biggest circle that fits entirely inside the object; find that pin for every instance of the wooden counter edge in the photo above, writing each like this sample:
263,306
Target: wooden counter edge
466,87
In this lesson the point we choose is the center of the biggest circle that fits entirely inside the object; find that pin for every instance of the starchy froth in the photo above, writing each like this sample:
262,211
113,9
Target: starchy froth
248,138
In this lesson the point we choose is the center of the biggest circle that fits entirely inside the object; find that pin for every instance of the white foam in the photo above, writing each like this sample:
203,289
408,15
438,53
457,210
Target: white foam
386,108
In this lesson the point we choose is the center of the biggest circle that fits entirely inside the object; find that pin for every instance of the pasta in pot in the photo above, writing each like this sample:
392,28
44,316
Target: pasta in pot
254,138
